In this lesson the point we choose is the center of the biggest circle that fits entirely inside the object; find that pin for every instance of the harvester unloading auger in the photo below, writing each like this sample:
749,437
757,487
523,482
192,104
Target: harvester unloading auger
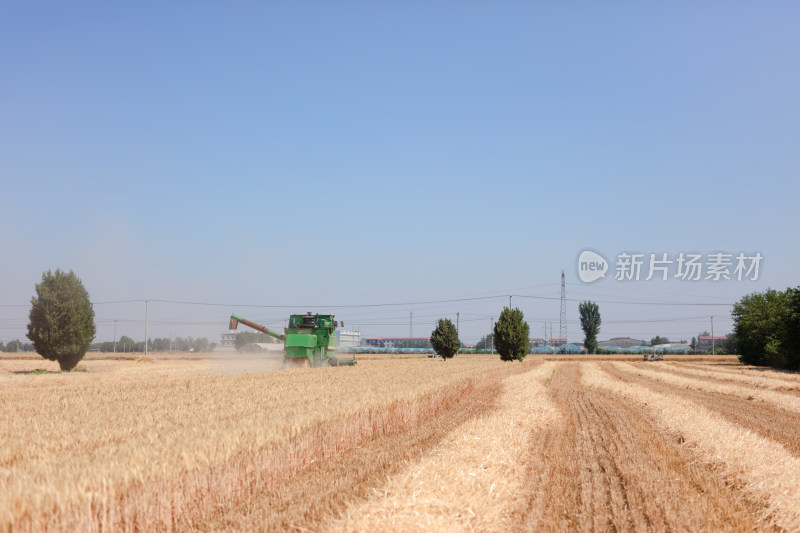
309,340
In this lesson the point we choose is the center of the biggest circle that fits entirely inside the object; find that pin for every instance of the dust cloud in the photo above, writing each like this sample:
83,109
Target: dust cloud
239,363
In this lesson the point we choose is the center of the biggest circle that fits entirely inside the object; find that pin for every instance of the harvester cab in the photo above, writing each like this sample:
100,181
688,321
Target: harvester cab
309,340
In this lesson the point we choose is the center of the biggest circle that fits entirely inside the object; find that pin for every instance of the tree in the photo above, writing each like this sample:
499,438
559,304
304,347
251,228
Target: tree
590,323
693,345
444,339
61,319
658,340
511,335
13,346
126,344
767,328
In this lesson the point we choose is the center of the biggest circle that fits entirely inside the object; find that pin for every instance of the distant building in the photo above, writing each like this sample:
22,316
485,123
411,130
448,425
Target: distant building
622,342
556,342
535,343
227,340
704,342
348,339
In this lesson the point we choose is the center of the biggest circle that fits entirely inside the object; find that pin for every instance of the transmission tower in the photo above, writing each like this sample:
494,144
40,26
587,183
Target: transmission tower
562,330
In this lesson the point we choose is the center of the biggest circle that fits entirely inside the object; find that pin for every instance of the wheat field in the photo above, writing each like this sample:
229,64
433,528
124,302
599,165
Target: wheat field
415,444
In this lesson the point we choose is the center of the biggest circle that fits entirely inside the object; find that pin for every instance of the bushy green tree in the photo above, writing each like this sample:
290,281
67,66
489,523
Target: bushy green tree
511,335
767,328
444,339
61,323
590,323
658,340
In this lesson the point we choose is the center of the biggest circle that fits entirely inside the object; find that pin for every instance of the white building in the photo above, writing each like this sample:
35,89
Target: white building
348,339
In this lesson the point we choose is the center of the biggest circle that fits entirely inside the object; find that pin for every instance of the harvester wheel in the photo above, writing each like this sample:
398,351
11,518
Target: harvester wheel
332,361
291,363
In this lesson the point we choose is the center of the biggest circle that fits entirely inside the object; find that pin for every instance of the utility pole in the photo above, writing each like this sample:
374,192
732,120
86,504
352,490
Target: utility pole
562,321
491,332
509,301
145,327
458,316
115,336
411,324
712,334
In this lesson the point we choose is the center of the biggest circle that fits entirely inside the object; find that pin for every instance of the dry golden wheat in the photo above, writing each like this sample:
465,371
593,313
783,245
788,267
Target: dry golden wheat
472,480
72,453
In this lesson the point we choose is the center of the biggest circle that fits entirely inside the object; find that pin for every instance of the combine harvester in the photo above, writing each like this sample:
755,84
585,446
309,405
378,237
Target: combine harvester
309,341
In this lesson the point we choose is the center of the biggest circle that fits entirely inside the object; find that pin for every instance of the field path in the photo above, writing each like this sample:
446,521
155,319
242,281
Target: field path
606,467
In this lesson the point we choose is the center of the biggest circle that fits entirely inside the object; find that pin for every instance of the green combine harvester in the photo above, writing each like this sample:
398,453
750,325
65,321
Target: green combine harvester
309,341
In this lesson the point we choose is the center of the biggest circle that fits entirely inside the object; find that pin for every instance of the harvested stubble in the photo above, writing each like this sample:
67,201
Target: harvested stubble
763,418
604,466
473,479
750,374
121,455
788,402
767,472
751,380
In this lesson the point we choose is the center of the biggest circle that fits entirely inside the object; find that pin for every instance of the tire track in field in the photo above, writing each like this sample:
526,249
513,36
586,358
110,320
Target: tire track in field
607,467
322,491
761,418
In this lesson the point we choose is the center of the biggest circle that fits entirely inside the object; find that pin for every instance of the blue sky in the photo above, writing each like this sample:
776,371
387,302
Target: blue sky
335,155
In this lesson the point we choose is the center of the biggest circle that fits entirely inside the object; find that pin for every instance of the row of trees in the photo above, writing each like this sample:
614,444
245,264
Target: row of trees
16,346
179,344
249,337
